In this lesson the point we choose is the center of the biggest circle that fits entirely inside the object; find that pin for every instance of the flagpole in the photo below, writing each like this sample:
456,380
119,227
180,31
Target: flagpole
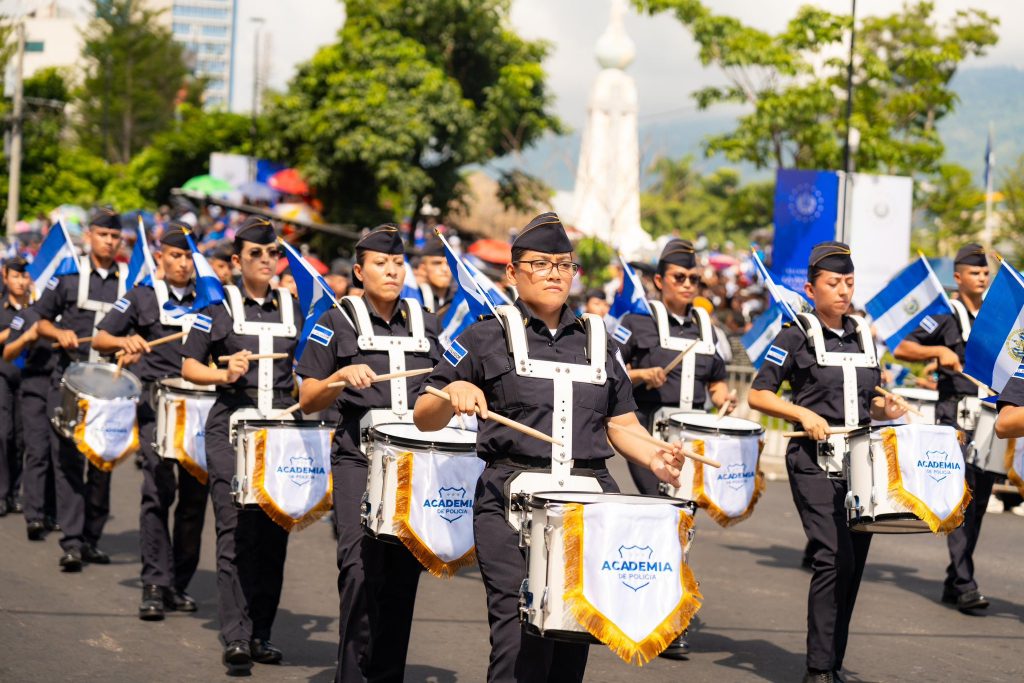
986,230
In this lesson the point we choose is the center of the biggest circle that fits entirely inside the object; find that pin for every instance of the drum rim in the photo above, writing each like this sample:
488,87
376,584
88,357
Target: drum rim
162,384
417,444
710,429
909,392
301,424
130,376
542,501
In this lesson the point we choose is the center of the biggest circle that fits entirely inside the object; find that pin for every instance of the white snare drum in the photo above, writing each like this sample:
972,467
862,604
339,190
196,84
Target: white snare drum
923,400
868,504
836,452
542,607
90,381
169,405
987,451
377,510
244,433
706,427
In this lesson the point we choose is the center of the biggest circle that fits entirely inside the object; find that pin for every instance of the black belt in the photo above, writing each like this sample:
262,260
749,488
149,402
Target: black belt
253,394
526,462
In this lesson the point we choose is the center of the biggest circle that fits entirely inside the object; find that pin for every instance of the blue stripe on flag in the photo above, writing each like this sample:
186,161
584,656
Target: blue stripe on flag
455,353
995,349
907,302
760,336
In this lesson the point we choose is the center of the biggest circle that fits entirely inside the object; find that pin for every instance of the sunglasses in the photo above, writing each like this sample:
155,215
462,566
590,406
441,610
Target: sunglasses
272,252
680,278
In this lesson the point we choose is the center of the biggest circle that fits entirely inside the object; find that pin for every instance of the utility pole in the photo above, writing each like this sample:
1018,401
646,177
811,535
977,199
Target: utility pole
255,94
844,226
14,174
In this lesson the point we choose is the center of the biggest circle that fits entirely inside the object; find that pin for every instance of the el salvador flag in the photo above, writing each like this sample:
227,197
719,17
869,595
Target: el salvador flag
56,257
470,301
490,290
791,302
904,304
315,296
758,339
995,348
631,298
141,266
411,288
209,291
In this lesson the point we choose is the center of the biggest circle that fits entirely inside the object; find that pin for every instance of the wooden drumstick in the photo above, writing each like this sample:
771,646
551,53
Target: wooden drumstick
654,441
254,356
511,424
81,340
288,411
979,384
120,367
899,399
830,431
679,359
383,378
731,399
162,340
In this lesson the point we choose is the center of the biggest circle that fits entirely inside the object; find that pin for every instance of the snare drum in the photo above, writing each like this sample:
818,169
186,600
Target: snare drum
839,449
542,606
987,451
309,465
90,381
171,400
923,400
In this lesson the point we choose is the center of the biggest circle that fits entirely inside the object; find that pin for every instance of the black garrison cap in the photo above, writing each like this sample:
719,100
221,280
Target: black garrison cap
433,247
679,253
972,254
386,239
544,234
105,217
17,264
174,236
831,256
256,229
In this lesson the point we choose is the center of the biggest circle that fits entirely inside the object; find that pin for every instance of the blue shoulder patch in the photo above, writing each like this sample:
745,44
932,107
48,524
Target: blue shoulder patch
455,353
203,323
17,323
622,334
321,335
52,283
1019,374
122,304
928,324
776,355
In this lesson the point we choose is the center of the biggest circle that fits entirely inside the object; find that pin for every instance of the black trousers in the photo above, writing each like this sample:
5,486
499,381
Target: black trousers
251,547
167,561
964,539
38,498
838,555
83,491
377,581
516,656
11,441
645,481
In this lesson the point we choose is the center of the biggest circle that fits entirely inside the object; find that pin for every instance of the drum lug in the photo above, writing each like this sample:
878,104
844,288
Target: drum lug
525,602
237,487
364,509
548,529
544,599
853,507
525,524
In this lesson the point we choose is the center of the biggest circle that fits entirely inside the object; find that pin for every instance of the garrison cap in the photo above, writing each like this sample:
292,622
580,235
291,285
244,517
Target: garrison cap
174,236
972,254
679,253
105,217
433,247
545,234
17,264
831,256
386,239
255,229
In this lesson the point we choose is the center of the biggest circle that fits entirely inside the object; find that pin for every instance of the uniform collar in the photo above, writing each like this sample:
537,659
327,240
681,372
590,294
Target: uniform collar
849,327
190,290
269,303
372,310
567,318
8,304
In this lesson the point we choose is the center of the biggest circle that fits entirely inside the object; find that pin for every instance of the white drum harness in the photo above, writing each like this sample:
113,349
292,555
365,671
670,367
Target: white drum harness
705,344
98,308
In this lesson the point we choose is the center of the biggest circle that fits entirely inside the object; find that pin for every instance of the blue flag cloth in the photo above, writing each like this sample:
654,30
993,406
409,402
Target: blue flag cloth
470,301
56,257
790,301
209,291
995,349
907,302
411,288
141,266
315,296
806,212
631,298
758,339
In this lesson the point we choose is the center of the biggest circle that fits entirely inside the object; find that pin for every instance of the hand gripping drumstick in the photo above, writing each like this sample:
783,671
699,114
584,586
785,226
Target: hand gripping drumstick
491,415
731,399
162,340
383,378
253,356
829,431
900,400
81,340
665,445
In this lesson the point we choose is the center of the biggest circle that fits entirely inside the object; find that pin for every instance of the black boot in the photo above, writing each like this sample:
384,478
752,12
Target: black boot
237,657
152,606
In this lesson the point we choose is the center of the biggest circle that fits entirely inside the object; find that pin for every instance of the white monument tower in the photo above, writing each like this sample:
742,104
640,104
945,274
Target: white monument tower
606,202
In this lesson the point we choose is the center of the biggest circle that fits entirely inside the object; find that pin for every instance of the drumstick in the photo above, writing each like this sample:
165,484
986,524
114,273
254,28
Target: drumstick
979,384
679,359
81,340
120,366
511,424
899,399
162,340
729,400
288,411
382,378
654,441
254,356
830,431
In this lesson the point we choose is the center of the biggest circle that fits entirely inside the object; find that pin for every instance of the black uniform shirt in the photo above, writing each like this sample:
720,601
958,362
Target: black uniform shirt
1013,392
8,312
335,349
60,298
138,312
40,358
642,349
213,336
944,330
814,387
479,356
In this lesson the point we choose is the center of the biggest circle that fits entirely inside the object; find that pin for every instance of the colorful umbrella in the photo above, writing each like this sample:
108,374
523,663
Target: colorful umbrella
207,184
297,211
258,192
288,181
492,251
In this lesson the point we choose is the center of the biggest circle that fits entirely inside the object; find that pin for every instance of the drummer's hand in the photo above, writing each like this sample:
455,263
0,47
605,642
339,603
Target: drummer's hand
815,425
129,358
894,407
729,405
134,344
356,376
467,398
32,333
949,360
67,339
667,463
238,365
654,377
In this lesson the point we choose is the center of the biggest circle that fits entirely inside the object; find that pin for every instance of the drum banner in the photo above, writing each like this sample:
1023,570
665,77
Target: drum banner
190,434
107,431
926,473
292,475
1015,463
434,508
627,582
728,494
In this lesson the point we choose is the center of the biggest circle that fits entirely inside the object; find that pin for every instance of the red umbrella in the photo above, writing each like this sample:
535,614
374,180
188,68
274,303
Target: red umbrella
492,251
288,181
317,264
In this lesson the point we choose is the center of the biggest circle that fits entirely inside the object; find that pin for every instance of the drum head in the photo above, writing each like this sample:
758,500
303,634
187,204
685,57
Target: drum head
539,500
181,384
98,380
915,394
712,424
404,434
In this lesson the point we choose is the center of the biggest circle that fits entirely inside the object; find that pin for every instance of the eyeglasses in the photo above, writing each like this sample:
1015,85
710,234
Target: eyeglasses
680,278
272,252
543,267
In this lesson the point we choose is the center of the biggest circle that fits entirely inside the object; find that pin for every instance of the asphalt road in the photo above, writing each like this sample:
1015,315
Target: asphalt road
751,628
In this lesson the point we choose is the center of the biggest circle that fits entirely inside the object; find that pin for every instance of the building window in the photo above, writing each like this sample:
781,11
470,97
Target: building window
182,28
200,12
215,31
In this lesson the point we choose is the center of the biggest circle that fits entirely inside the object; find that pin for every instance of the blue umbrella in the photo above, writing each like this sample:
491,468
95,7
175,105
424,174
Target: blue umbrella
257,191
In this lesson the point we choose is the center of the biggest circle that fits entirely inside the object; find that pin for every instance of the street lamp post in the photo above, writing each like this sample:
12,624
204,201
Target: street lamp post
14,174
258,21
850,145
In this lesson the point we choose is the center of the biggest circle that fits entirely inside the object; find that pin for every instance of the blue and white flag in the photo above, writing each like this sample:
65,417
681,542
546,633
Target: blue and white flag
790,301
141,267
56,257
315,298
209,291
758,339
631,298
908,302
411,288
807,211
487,286
469,303
995,349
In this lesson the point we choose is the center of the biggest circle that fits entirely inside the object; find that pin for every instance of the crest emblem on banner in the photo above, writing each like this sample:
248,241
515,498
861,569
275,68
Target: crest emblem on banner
735,475
1015,344
937,465
806,202
454,503
301,473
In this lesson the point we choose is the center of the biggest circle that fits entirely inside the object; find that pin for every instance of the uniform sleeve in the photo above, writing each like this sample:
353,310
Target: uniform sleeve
620,394
320,355
1013,392
51,303
931,332
717,371
780,360
204,333
124,316
463,360
432,325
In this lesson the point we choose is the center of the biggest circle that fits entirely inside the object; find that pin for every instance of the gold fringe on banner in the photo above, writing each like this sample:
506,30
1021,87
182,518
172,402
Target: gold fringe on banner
267,504
703,501
410,539
911,502
92,456
1012,475
602,628
190,465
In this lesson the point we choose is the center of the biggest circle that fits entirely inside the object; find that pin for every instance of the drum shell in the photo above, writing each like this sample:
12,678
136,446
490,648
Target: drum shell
243,488
165,399
987,451
66,416
671,430
869,506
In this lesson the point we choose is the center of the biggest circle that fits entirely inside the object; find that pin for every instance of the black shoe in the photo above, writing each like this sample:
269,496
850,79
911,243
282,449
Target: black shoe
94,555
51,523
678,649
152,606
264,652
71,561
237,656
819,677
971,600
36,531
179,600
3,507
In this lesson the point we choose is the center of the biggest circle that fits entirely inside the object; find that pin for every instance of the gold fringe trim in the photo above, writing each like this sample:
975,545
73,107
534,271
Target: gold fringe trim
186,461
1012,475
267,504
704,501
410,539
911,502
92,456
600,626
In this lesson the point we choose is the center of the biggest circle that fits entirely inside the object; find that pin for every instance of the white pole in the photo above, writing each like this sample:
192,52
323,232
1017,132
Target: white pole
14,175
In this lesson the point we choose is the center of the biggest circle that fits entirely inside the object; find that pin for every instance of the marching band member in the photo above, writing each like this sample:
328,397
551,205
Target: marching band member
436,287
15,293
479,372
80,301
826,393
137,319
377,581
251,547
944,337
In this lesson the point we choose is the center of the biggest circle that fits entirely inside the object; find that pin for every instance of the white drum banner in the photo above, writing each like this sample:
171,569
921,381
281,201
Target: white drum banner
190,434
292,474
626,577
728,494
926,473
434,508
107,431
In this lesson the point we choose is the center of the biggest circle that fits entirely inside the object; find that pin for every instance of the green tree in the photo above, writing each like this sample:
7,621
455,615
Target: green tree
132,74
408,95
1010,218
953,210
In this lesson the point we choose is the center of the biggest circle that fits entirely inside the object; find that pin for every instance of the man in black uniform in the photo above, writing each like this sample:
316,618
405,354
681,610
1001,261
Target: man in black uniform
478,373
436,289
80,300
139,318
944,337
15,298
376,580
251,547
220,260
